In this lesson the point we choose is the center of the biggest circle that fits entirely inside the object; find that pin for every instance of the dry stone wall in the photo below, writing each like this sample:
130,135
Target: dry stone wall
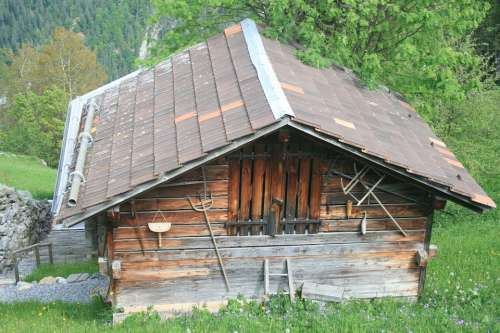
23,221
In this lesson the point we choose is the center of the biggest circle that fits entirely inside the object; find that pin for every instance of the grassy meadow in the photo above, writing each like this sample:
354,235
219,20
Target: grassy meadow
63,270
462,292
27,173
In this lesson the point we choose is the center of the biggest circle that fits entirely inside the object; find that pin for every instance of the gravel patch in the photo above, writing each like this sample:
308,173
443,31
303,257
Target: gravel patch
77,292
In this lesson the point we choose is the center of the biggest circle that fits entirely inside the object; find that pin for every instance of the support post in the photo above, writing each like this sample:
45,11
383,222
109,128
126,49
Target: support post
16,269
37,256
51,258
266,277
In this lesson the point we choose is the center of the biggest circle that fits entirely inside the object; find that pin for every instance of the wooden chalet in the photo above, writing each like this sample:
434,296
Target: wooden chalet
232,168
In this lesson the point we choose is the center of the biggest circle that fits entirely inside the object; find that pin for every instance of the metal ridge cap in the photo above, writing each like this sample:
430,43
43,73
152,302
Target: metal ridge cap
267,76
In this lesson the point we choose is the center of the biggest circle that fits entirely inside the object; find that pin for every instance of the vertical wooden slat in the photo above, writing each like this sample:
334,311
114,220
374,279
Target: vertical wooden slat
303,195
266,276
51,256
315,200
277,183
427,242
37,256
246,189
291,193
267,187
259,169
233,195
109,243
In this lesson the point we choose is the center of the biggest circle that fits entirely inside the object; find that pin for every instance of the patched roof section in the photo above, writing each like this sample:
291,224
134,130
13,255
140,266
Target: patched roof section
333,101
154,122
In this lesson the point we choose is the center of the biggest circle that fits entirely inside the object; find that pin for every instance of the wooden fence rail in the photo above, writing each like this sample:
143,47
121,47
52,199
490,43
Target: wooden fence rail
36,248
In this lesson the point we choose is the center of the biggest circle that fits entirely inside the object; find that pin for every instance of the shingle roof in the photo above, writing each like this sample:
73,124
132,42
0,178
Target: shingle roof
232,86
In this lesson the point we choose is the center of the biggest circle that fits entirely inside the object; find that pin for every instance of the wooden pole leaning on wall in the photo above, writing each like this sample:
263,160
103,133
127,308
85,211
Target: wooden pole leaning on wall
212,236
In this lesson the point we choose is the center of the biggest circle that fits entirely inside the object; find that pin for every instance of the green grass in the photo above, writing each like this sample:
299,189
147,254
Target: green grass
462,292
27,173
63,270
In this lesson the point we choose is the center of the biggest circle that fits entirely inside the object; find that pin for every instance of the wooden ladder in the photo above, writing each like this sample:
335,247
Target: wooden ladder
288,274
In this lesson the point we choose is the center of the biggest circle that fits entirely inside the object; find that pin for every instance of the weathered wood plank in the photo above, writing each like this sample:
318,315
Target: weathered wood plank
217,188
339,198
292,190
322,292
151,243
277,184
314,204
374,211
272,251
174,217
303,194
243,270
259,169
212,172
368,262
234,193
377,284
153,204
175,231
373,224
246,190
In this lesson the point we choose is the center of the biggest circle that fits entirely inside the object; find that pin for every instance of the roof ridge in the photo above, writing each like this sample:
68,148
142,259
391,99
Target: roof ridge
267,76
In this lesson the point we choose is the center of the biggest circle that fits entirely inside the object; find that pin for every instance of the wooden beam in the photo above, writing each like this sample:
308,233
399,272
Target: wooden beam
322,292
422,258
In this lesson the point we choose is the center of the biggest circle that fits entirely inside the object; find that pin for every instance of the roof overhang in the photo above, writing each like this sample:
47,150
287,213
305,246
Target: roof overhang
390,169
92,211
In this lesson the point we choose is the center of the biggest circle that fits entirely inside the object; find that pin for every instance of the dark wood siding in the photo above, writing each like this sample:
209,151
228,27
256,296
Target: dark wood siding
185,269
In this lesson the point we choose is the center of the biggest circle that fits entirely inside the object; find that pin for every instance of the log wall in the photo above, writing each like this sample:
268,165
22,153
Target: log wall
185,269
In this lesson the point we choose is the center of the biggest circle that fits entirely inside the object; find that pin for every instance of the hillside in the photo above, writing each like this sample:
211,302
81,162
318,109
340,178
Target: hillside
113,28
27,173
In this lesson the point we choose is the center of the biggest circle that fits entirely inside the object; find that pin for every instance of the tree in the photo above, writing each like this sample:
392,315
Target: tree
420,48
487,38
64,62
35,124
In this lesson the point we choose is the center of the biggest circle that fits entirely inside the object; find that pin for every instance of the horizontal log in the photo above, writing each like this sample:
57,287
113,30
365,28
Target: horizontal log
381,258
216,188
297,251
204,284
174,217
148,275
176,230
376,284
151,243
212,172
373,224
374,211
339,198
319,265
165,204
322,292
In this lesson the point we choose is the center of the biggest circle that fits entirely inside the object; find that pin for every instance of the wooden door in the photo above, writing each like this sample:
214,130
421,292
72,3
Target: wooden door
274,189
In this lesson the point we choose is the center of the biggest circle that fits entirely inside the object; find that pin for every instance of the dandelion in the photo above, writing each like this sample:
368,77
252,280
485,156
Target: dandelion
426,305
